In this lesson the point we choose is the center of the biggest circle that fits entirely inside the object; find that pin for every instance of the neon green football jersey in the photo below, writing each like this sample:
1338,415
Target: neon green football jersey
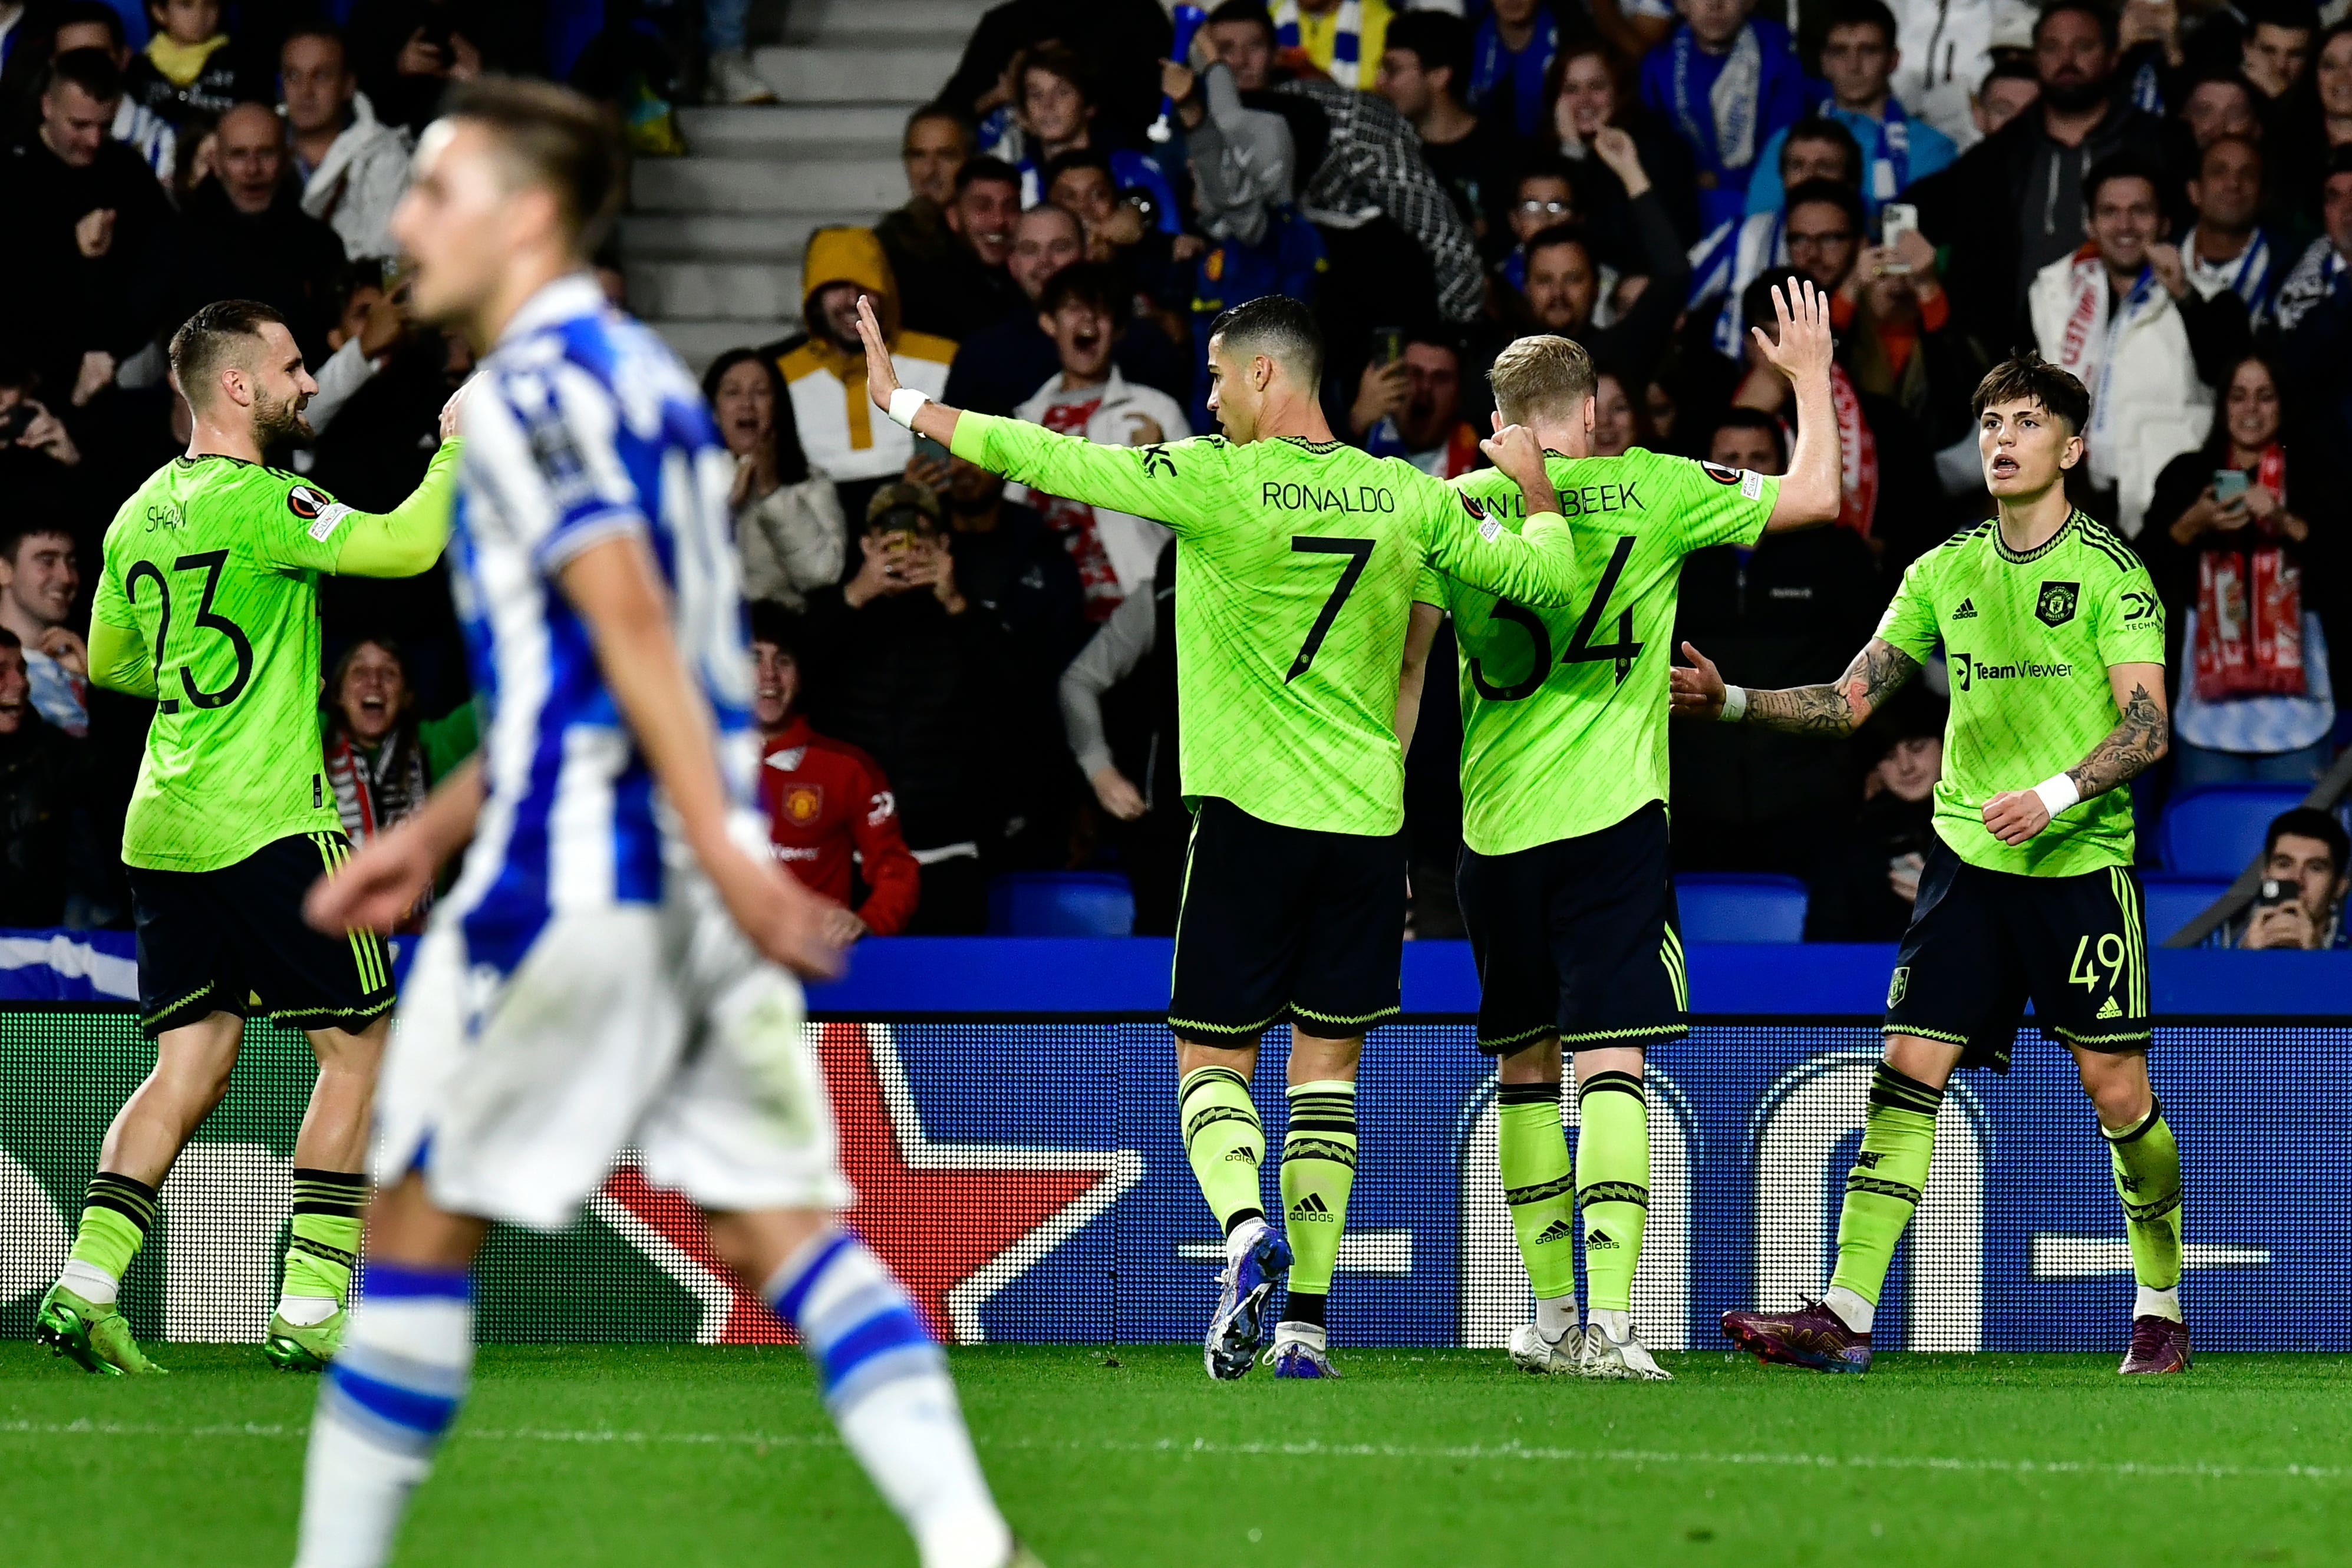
1564,710
2028,640
1296,565
214,564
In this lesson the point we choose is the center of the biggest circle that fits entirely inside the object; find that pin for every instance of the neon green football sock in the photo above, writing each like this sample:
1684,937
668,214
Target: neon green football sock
1531,1153
325,1246
116,1214
1224,1141
2147,1162
1613,1186
1898,1139
1318,1169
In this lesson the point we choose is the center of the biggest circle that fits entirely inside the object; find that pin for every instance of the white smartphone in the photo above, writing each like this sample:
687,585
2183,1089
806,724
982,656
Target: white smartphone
1897,218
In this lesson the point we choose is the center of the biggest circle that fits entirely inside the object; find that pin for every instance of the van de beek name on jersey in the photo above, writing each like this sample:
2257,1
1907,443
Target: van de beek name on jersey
1582,501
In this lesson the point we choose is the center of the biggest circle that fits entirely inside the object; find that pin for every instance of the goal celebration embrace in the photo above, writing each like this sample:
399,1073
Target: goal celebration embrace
1613,732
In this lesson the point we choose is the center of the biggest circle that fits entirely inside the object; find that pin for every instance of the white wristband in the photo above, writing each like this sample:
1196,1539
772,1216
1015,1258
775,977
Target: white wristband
2057,793
905,404
1734,703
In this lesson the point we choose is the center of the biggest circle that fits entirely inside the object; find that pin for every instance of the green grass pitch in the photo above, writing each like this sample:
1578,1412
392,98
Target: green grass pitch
1131,1458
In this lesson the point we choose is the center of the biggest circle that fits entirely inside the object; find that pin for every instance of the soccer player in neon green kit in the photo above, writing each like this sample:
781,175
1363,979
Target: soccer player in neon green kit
208,602
2054,638
1298,556
1564,880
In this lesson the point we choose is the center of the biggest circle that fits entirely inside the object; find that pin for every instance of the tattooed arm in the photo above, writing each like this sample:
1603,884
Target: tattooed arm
1831,712
2140,737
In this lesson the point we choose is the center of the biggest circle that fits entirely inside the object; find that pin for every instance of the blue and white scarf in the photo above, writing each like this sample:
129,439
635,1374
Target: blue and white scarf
1494,66
2317,273
2250,276
1724,136
1349,66
1735,253
1890,160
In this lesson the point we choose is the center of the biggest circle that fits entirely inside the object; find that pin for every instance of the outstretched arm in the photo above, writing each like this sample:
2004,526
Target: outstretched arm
1799,349
936,419
2140,738
1832,711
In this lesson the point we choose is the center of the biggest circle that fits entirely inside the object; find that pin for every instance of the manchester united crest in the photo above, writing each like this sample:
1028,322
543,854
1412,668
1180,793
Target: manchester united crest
2055,606
802,803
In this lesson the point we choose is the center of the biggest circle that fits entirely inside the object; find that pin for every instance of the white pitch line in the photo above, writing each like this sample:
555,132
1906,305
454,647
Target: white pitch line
1211,1447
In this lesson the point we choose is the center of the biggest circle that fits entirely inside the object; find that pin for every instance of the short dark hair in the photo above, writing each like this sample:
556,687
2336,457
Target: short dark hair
95,13
1751,419
2109,27
1061,163
1558,234
1252,11
1093,283
1055,59
1547,166
1279,327
2031,377
1830,193
1439,41
1821,128
2311,822
936,111
2009,68
12,537
975,170
92,70
774,622
2230,140
563,141
2127,164
2300,16
206,339
1863,14
320,29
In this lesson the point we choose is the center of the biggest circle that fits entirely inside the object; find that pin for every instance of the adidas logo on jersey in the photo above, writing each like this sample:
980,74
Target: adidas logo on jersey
1557,1230
1600,1239
1966,611
1242,1154
2107,1010
1311,1206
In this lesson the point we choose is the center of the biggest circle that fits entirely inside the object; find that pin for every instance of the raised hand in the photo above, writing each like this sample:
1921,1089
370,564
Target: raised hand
1696,691
1800,346
881,375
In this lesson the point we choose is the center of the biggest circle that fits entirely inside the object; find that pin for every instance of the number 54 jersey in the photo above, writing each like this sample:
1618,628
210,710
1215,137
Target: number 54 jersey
1564,710
214,564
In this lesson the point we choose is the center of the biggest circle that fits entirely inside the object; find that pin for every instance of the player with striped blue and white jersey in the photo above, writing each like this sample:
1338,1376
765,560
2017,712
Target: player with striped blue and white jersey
611,969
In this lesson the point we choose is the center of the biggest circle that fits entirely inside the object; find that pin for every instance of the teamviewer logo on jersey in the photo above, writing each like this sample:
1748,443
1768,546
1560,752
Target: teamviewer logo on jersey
2055,606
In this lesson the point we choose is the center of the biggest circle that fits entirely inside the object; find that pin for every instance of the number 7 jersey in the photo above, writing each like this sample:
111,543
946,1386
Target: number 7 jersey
215,563
1564,710
1296,561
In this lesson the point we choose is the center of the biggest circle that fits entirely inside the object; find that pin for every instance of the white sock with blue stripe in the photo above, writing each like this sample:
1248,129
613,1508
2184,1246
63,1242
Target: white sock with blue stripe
886,1381
382,1406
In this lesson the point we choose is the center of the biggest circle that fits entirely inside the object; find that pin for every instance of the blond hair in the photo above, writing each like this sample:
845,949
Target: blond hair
1541,377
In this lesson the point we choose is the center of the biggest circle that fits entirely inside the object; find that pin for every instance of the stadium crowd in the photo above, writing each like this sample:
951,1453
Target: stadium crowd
960,678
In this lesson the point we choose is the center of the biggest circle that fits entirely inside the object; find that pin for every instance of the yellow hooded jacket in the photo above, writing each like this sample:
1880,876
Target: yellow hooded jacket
838,427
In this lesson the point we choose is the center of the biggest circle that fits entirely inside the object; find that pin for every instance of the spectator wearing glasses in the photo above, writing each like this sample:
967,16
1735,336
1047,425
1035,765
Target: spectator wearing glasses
2306,869
1423,72
1737,252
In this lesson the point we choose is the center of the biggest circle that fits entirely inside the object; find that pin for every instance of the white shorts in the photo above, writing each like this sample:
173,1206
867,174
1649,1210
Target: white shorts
652,1026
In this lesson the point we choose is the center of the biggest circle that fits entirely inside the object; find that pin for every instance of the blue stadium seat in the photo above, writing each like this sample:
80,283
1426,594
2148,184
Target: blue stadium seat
2217,829
1061,903
1740,906
2175,898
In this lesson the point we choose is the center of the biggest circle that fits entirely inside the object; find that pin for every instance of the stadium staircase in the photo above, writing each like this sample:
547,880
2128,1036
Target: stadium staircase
712,242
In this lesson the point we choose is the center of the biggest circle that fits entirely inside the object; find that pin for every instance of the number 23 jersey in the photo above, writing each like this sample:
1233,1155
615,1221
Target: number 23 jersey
215,563
1564,710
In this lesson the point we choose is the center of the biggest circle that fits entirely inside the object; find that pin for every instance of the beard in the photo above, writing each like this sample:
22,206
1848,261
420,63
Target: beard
274,422
2074,97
